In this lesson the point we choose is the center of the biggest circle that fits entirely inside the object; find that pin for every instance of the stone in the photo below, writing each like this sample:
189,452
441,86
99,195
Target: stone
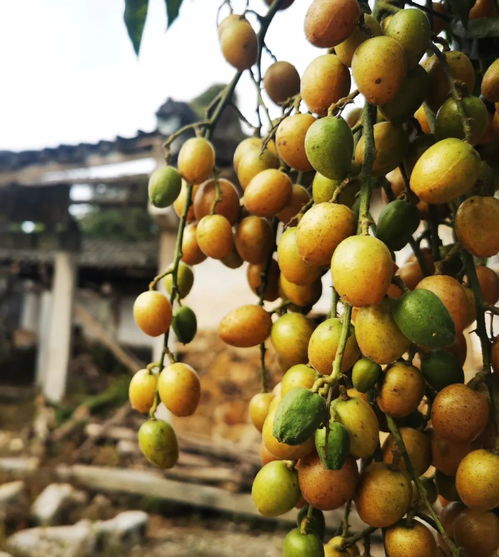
127,448
78,540
55,503
13,501
124,530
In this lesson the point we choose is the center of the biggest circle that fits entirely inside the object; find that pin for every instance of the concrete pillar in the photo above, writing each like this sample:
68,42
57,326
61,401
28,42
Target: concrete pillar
31,307
59,337
43,337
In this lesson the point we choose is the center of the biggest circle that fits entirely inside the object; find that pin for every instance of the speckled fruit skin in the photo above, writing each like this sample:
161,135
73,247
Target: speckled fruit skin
275,488
446,455
377,334
253,239
281,81
418,448
401,391
324,343
477,532
267,192
290,336
404,540
383,495
324,81
290,262
326,489
290,141
196,159
477,480
355,262
245,326
346,48
379,68
459,413
477,225
152,312
214,236
321,229
412,29
329,22
238,42
445,171
158,443
179,389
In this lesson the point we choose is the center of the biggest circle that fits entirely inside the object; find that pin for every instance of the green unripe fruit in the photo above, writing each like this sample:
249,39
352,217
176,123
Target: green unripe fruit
316,523
365,373
424,319
396,223
185,279
333,446
441,368
324,188
329,147
448,122
297,544
275,488
158,443
411,28
298,415
164,186
185,324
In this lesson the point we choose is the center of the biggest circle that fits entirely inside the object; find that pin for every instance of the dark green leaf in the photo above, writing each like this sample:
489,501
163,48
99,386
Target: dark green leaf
172,9
480,28
461,9
135,18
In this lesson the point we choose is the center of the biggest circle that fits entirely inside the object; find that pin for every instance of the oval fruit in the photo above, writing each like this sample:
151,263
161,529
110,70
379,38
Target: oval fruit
332,445
238,42
383,495
297,544
346,48
418,448
179,389
267,192
191,253
476,225
185,324
214,236
326,489
152,312
228,205
448,122
253,160
401,391
355,262
259,408
323,345
397,223
290,262
365,374
490,82
329,147
409,538
290,336
325,81
379,68
185,279
278,449
321,229
196,160
446,455
329,22
281,82
441,368
302,295
254,239
245,326
142,390
323,189
255,277
158,443
275,488
477,532
164,186
458,413
290,140
299,198
411,28
298,375
477,480
332,548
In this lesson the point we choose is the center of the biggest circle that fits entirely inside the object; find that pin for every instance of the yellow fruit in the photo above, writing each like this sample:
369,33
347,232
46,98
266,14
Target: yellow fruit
329,22
290,140
245,326
477,480
402,389
238,42
290,262
254,239
346,48
214,236
418,448
142,390
196,160
477,225
152,312
179,389
411,538
290,336
259,408
268,192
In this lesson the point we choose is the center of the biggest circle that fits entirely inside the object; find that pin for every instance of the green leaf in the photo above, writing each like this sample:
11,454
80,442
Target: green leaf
481,28
135,18
172,9
461,8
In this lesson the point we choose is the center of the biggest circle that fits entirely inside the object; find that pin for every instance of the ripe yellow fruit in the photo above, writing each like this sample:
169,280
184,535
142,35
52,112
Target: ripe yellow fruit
477,225
268,192
196,160
142,390
346,49
329,22
355,262
477,480
214,236
238,42
245,326
290,140
401,391
290,262
179,389
259,408
152,312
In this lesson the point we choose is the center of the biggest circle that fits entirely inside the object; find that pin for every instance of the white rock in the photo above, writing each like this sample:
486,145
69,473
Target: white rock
127,448
124,530
78,540
55,501
3,554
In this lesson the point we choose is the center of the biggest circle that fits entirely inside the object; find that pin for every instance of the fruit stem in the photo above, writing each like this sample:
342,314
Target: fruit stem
334,303
305,522
394,430
356,537
456,95
338,359
368,119
345,524
264,374
268,263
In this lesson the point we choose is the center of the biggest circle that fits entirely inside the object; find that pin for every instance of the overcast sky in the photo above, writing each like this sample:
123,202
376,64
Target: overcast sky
69,73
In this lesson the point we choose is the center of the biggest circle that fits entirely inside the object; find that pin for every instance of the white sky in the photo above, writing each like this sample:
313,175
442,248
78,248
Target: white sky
69,73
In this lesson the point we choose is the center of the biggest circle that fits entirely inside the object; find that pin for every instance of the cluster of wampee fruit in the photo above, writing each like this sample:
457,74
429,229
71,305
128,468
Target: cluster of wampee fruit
386,363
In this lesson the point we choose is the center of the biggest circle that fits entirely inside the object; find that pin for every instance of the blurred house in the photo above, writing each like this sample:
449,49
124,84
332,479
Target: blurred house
77,244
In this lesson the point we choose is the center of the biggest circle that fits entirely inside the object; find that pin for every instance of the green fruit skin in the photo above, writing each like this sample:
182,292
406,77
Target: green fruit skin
164,186
185,324
323,189
185,279
423,319
396,223
329,147
298,415
409,97
275,488
365,374
361,423
411,28
316,523
158,443
441,368
334,447
297,544
448,122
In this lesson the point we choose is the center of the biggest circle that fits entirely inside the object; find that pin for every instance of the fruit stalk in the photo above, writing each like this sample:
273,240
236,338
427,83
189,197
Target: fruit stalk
394,430
368,119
